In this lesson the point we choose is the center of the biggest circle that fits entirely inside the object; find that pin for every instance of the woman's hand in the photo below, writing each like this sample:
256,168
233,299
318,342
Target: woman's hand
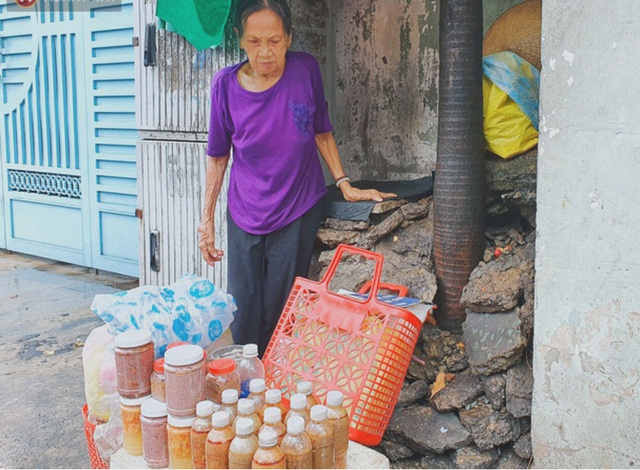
207,243
352,194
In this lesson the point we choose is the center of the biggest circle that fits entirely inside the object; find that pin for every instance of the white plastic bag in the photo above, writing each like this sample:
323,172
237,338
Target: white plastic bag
99,364
192,310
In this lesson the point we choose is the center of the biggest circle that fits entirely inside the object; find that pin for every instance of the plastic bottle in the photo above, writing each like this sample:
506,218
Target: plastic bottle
157,380
273,397
299,408
250,367
243,446
230,403
273,420
339,418
296,445
131,428
199,432
320,431
179,437
155,448
219,440
247,409
306,388
257,389
269,454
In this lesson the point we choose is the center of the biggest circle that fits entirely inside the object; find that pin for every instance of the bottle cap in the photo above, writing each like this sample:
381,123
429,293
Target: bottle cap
180,422
273,396
335,398
134,401
183,355
272,415
220,419
250,350
246,406
153,408
244,426
176,343
158,366
230,396
305,387
268,438
205,408
222,366
298,401
257,386
132,338
318,412
295,425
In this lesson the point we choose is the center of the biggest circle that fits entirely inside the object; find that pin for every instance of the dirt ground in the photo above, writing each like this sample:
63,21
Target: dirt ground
44,317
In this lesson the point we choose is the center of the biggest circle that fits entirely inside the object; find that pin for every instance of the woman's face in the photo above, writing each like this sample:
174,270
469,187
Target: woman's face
265,42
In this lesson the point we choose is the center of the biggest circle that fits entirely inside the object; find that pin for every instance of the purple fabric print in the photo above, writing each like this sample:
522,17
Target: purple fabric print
302,116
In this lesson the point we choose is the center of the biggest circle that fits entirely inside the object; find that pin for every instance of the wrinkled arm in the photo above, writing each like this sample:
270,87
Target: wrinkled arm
216,167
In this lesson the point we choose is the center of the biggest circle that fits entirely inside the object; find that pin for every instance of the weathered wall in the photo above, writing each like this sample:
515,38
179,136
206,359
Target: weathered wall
587,317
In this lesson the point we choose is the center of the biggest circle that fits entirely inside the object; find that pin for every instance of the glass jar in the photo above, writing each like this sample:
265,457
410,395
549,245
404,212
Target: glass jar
131,427
222,376
155,447
157,380
218,441
184,375
134,363
179,439
199,431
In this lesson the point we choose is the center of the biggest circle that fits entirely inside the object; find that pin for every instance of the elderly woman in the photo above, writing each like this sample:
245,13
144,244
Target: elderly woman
271,110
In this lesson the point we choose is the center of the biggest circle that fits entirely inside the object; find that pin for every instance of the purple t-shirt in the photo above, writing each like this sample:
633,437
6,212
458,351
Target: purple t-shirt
276,176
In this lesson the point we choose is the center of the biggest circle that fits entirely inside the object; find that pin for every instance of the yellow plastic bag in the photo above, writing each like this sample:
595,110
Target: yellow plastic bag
507,130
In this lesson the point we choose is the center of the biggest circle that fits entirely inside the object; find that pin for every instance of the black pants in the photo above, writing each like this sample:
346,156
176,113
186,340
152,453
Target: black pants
261,271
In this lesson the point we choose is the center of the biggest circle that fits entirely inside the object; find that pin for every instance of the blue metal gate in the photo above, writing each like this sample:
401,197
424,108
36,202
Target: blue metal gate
68,132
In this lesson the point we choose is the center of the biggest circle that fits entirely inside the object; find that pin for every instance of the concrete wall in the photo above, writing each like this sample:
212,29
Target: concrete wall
587,317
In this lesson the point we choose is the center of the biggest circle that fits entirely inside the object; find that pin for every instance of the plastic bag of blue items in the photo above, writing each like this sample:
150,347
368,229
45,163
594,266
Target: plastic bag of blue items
192,310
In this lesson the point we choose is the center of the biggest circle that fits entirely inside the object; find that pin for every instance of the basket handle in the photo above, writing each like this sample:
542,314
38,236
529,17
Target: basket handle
340,251
402,291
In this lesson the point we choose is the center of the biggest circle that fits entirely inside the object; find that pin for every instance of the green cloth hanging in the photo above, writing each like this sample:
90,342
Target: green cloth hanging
201,22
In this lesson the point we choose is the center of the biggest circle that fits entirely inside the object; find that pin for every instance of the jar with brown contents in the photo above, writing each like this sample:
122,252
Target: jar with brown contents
268,455
273,420
222,376
184,375
134,363
131,427
339,419
244,445
199,432
218,441
179,438
320,432
247,409
299,408
153,419
157,380
296,445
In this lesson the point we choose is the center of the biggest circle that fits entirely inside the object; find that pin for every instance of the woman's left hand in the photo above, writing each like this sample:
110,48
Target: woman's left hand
352,194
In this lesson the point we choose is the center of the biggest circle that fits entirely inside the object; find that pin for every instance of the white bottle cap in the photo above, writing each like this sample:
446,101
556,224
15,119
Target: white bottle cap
268,438
134,401
153,408
305,387
244,426
318,412
205,408
183,355
250,350
246,406
132,338
298,401
295,425
257,386
230,396
272,415
220,419
179,422
335,398
273,396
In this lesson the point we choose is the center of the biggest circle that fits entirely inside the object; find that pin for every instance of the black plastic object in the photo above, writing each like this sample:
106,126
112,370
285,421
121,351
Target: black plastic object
154,250
150,45
459,194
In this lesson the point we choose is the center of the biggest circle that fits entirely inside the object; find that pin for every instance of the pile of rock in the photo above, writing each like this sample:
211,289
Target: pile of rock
481,419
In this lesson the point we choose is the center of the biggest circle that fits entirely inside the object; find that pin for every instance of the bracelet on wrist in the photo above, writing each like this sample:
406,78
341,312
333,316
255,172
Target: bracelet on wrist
342,180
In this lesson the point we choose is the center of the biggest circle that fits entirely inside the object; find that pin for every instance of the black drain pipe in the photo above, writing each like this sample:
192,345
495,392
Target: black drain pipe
459,193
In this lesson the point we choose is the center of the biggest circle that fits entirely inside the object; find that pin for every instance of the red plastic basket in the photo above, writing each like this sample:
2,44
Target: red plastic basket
362,348
89,429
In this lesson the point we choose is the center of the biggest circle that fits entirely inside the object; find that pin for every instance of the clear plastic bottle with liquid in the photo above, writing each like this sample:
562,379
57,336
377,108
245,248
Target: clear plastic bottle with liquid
273,420
269,454
339,418
247,409
257,389
250,367
199,432
306,388
218,441
299,408
296,445
320,431
243,446
230,403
